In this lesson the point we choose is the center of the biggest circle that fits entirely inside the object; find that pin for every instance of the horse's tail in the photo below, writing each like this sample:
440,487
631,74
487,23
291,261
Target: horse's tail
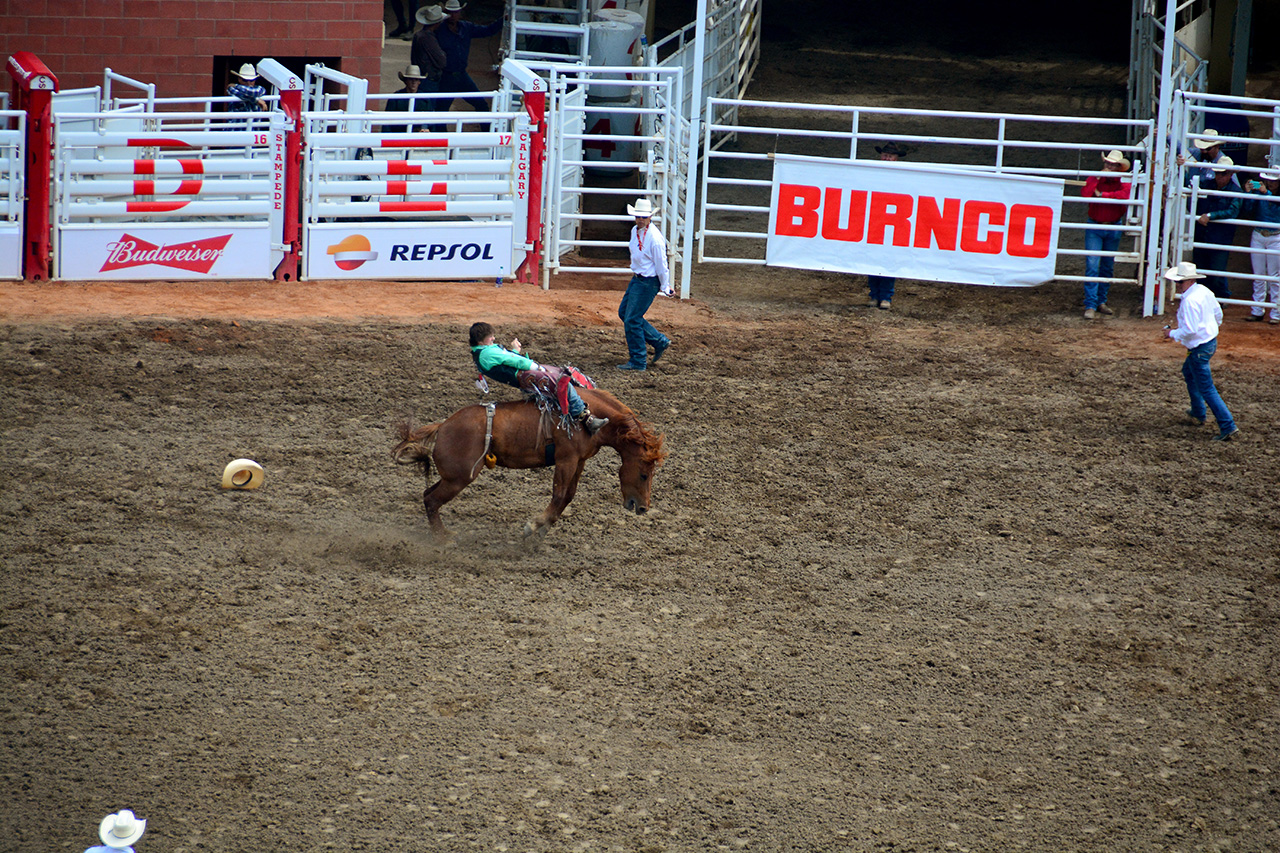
415,445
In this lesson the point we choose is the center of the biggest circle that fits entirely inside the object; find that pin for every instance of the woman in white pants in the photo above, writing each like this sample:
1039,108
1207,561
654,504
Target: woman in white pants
1266,245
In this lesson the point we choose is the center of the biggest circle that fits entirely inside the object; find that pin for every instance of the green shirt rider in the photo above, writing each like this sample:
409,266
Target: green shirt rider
508,366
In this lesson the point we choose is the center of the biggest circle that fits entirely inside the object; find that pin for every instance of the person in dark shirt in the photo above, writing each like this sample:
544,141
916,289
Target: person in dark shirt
455,40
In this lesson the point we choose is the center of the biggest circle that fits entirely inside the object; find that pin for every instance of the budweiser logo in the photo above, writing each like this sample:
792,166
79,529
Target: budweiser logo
196,256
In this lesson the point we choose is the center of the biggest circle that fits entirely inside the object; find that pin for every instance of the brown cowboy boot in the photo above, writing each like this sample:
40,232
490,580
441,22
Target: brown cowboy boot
591,423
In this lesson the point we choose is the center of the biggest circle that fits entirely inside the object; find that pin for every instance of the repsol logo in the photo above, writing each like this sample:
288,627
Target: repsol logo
442,251
923,222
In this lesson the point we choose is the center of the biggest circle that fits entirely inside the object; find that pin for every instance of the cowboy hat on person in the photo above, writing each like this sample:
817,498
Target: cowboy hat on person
1224,164
121,829
429,15
642,210
1114,156
411,72
1270,175
246,72
454,6
1202,144
1185,271
893,148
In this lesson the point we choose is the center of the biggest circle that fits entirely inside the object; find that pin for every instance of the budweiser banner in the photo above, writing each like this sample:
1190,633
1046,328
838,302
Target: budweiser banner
10,252
449,250
143,252
913,221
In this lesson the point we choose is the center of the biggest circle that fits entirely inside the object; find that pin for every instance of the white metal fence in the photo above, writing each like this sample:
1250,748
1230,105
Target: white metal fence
13,148
1183,190
175,195
737,181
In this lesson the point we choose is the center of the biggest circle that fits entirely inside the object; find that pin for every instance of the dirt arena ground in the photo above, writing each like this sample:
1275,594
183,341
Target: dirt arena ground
955,576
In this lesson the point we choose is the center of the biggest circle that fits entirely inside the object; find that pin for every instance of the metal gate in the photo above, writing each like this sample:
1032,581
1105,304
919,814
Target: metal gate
1183,190
615,133
13,152
737,179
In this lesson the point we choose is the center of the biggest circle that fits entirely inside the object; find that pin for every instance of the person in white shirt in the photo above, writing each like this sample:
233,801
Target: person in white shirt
650,277
1199,316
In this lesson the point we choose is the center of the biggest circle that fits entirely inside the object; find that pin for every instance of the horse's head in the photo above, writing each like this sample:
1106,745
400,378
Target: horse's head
641,453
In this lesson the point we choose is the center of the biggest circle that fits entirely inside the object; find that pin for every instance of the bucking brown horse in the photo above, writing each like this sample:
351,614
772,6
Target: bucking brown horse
521,436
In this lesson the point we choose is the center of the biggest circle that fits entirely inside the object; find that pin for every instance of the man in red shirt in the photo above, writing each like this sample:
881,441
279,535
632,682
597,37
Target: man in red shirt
1104,241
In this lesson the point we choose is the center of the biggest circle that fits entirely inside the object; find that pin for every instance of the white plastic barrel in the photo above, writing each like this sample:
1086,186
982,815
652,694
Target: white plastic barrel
609,44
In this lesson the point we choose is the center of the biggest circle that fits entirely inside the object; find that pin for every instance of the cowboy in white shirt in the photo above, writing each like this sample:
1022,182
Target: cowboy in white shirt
651,276
1199,316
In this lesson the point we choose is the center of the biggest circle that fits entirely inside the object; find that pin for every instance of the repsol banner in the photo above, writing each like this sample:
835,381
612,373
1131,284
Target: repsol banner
903,219
145,251
453,250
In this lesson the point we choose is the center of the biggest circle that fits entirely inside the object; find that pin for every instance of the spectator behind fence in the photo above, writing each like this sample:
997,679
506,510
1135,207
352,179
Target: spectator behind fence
455,40
1204,152
118,832
1199,316
1266,238
1099,268
881,286
425,51
248,94
1211,232
413,83
404,23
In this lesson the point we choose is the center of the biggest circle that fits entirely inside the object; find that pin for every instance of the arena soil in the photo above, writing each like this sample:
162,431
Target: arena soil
955,576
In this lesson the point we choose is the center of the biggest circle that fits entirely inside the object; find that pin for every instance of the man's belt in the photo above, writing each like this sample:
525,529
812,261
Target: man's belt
1268,232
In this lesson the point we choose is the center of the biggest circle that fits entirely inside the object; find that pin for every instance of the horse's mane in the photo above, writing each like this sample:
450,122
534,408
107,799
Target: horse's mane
632,429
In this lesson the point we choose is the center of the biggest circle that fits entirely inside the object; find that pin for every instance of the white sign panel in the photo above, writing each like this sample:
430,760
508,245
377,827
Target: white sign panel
914,221
10,252
453,250
143,252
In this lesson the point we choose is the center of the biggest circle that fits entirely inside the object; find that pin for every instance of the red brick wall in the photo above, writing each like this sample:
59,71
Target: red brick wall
172,42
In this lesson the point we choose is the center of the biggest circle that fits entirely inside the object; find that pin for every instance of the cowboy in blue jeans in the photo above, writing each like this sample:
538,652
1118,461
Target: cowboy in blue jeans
1199,316
651,277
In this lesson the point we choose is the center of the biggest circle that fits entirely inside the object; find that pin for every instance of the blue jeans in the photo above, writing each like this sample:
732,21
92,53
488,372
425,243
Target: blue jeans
459,81
640,294
1195,370
1099,266
881,287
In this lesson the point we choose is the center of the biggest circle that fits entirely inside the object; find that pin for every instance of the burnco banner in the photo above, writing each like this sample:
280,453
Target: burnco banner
913,221
144,252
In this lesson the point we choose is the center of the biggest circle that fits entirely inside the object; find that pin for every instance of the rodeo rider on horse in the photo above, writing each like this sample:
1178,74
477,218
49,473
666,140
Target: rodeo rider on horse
546,384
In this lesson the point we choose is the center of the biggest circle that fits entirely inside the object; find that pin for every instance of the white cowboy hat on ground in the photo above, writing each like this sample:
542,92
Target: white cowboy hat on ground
121,829
1224,164
1183,272
429,15
454,6
411,72
642,209
246,72
1114,156
1202,144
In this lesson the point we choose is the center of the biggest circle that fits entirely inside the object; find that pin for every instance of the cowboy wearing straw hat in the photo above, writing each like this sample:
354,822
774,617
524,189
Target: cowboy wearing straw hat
248,94
413,80
425,51
119,832
1103,243
651,276
1199,316
1216,204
